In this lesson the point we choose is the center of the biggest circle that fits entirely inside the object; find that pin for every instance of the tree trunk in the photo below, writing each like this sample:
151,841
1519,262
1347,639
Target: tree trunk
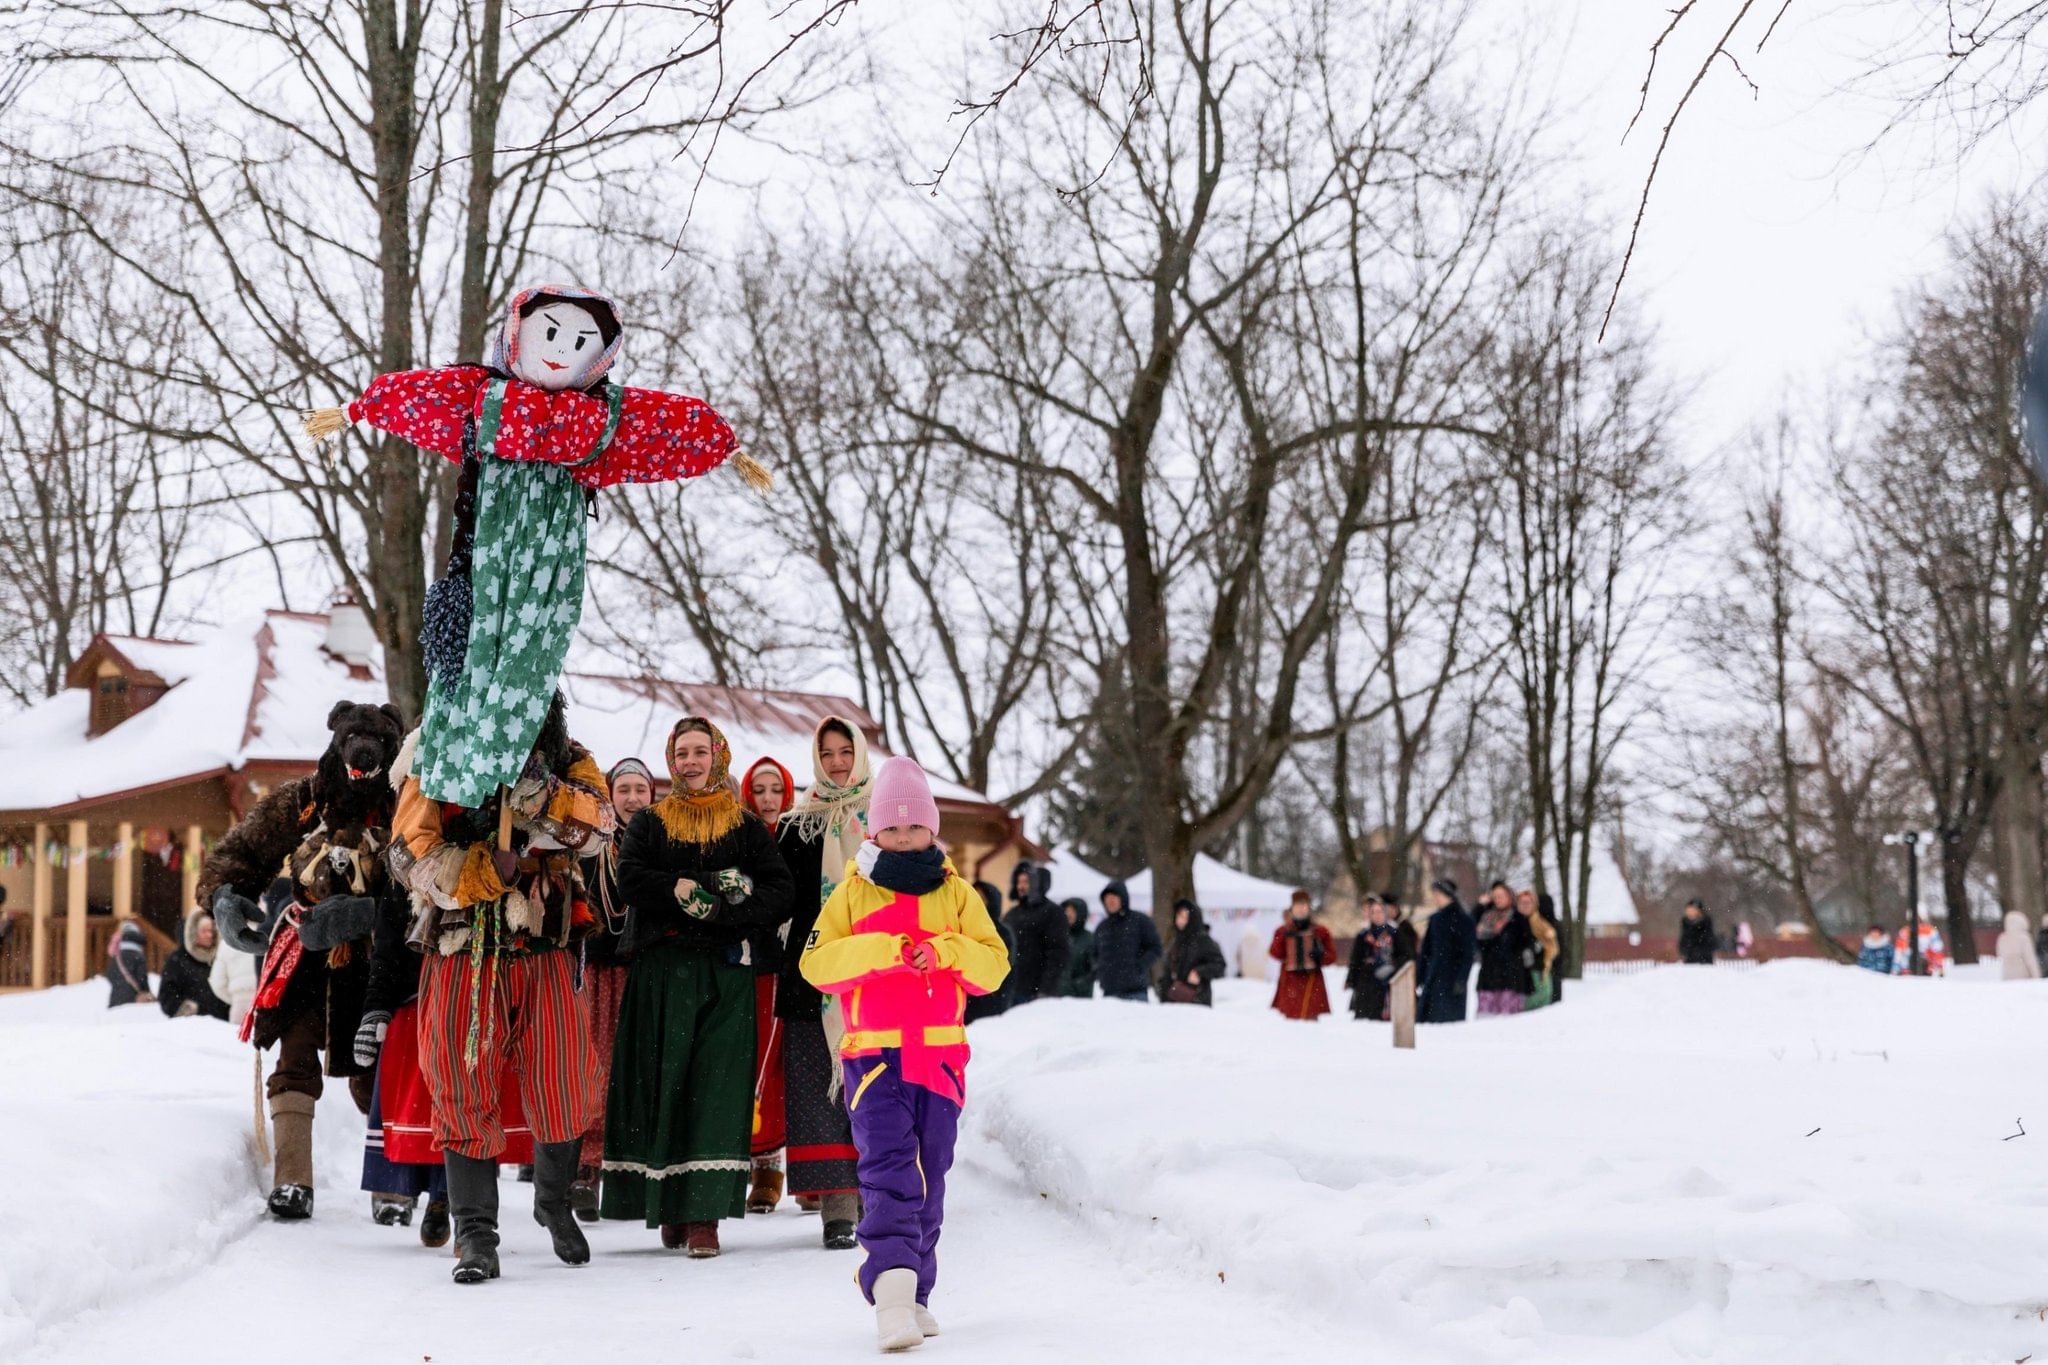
2016,835
1955,894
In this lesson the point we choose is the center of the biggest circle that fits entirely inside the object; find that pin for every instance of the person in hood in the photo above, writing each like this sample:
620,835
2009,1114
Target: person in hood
1040,930
769,791
818,838
1696,935
2015,950
1876,953
704,880
127,970
998,1000
1127,947
1193,959
903,942
1302,948
1080,982
1450,941
183,989
1506,954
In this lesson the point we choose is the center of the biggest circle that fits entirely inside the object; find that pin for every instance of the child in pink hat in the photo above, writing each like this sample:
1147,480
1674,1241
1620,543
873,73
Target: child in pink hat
903,942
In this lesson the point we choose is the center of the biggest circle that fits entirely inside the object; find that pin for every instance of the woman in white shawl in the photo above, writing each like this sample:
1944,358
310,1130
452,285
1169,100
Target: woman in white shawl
818,837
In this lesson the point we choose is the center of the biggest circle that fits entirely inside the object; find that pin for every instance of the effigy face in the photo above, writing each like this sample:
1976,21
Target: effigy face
559,344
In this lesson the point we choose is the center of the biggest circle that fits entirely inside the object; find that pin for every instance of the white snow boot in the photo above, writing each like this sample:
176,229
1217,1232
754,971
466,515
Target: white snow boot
896,1326
926,1323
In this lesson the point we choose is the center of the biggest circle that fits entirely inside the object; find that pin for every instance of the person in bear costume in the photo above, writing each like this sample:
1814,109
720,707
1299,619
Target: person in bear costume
297,882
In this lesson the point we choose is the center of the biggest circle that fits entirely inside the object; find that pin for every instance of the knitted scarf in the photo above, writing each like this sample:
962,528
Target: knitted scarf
713,811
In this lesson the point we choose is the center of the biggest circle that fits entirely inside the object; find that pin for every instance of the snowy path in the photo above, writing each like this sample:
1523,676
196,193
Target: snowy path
1798,1164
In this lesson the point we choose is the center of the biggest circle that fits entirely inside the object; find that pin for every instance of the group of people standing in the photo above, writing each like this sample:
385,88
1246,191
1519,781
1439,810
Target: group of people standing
1059,952
1513,938
667,1008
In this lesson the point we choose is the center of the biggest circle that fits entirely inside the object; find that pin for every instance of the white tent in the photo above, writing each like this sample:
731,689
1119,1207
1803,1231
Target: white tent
1237,905
1071,877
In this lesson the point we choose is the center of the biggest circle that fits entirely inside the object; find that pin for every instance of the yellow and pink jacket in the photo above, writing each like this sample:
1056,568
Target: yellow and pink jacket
860,951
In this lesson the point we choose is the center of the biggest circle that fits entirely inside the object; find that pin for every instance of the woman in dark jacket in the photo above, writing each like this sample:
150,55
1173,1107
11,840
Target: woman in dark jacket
1192,960
1372,963
703,878
1126,947
1506,955
1080,983
1696,935
183,989
1444,958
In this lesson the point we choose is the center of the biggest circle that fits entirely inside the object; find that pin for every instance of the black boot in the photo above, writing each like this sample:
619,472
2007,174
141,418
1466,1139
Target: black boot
583,1194
473,1197
554,1170
291,1202
434,1224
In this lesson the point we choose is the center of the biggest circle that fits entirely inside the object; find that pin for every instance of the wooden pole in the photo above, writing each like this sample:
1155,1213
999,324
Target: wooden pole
1403,1005
124,871
75,869
505,818
195,850
39,909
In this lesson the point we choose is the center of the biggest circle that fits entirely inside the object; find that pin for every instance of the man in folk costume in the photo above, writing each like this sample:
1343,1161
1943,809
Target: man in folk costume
819,837
537,431
604,965
769,791
297,883
498,985
706,887
1302,948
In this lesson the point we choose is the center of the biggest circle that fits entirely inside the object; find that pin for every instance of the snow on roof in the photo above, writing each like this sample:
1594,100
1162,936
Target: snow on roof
1608,899
260,690
1071,877
1220,888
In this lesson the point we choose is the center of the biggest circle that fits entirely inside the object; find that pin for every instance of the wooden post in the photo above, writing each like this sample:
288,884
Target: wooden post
505,818
39,908
195,850
124,871
75,869
1402,1009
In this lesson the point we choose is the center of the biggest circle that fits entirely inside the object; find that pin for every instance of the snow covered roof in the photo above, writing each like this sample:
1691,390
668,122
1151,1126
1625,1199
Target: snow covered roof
1608,899
1071,877
259,690
1218,888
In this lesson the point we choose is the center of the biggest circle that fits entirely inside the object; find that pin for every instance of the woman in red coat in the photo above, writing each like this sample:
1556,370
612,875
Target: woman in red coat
1302,948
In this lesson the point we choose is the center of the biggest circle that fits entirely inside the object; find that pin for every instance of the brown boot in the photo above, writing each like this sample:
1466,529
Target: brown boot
702,1239
291,1132
767,1191
673,1234
808,1202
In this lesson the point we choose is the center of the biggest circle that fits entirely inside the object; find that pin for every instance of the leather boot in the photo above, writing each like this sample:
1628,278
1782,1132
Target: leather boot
583,1194
291,1132
554,1170
434,1226
767,1191
473,1199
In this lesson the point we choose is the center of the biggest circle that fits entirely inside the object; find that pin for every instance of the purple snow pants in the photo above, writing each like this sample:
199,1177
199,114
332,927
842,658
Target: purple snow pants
904,1134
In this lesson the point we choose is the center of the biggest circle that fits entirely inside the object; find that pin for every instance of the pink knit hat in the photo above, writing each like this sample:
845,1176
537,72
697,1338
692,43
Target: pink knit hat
902,797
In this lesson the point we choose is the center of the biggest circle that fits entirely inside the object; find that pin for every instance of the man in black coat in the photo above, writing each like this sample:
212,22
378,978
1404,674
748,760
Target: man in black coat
1127,947
1449,943
1696,935
996,1001
1038,964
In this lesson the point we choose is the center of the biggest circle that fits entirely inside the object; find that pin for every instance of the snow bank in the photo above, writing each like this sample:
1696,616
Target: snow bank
1801,1162
126,1152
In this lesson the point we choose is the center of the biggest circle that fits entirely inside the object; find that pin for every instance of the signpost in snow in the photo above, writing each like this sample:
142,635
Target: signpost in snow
1402,1005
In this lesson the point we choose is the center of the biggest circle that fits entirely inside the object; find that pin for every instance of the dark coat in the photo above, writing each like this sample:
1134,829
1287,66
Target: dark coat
184,980
1444,965
651,862
1504,953
1370,968
996,1001
1193,950
1127,948
1080,982
1038,964
394,978
796,998
127,969
1696,940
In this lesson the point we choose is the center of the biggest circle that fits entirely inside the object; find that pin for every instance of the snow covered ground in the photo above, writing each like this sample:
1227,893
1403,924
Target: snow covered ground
1795,1163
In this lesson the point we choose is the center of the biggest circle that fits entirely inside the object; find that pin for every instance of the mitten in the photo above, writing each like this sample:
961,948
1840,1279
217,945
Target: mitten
734,884
701,904
241,922
370,1036
337,920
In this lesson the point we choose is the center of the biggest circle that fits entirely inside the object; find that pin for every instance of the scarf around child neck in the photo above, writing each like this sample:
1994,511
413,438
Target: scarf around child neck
911,874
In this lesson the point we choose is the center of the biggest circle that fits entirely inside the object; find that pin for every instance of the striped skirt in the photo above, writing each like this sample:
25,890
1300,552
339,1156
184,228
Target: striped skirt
522,1012
680,1109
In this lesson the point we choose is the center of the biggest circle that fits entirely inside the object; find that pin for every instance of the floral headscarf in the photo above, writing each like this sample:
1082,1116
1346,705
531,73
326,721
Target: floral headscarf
833,814
699,817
